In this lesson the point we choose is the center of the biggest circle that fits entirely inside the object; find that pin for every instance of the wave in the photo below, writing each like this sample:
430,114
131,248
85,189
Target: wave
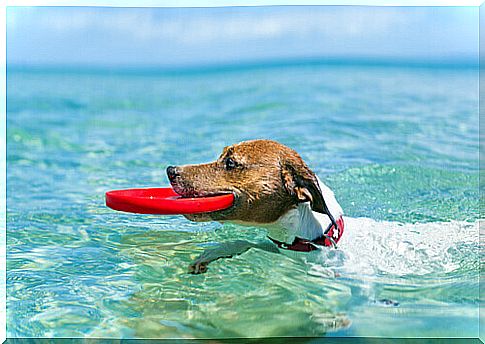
376,248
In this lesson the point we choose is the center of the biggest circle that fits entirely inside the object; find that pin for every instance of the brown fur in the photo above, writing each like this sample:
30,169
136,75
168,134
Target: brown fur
267,179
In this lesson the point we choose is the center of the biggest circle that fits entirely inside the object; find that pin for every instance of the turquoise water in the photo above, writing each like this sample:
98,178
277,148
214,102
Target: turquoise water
399,146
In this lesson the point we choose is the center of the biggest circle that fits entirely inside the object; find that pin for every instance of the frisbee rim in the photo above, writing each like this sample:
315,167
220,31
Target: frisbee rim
165,201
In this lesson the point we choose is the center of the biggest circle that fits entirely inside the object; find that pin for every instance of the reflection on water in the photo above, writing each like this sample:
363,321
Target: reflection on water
175,303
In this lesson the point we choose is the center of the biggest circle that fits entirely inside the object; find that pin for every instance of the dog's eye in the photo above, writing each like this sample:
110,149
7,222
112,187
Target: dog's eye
230,164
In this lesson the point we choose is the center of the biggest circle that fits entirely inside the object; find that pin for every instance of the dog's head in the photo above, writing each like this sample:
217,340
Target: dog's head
266,178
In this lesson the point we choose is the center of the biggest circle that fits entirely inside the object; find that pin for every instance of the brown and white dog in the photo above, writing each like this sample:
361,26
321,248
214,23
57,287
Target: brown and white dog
273,188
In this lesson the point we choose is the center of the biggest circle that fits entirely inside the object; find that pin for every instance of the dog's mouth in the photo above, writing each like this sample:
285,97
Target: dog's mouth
187,192
202,194
217,215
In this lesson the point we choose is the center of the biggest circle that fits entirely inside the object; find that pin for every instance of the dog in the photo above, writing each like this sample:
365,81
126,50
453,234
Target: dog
273,188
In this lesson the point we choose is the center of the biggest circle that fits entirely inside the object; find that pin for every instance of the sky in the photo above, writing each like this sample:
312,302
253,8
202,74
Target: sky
108,36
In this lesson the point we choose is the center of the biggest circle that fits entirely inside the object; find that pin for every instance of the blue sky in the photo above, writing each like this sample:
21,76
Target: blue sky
191,36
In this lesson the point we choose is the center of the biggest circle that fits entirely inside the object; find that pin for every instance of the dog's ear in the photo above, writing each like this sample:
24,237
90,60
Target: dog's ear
301,183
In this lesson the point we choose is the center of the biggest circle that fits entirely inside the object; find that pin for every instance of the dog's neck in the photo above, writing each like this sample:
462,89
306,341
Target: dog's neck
303,222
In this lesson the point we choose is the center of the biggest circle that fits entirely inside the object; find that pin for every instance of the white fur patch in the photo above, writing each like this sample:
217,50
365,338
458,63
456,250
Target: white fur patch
303,222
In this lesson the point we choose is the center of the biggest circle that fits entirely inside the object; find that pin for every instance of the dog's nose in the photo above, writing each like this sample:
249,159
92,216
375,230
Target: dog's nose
172,172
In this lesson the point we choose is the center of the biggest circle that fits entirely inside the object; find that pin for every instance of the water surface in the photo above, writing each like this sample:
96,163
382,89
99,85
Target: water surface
397,145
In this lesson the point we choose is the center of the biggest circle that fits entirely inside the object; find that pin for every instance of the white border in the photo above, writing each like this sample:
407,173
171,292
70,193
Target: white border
140,3
219,3
3,174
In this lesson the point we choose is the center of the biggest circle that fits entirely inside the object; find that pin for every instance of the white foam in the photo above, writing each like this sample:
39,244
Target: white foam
370,247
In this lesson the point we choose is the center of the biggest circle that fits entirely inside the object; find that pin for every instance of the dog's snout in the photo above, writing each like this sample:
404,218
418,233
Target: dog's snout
172,172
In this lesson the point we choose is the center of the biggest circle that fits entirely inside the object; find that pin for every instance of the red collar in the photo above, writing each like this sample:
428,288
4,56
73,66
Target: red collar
304,245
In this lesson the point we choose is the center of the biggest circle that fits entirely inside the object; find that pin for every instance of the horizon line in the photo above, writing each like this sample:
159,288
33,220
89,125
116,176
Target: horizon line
442,62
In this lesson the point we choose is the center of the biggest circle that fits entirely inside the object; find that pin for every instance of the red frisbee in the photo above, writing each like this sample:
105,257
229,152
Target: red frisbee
164,201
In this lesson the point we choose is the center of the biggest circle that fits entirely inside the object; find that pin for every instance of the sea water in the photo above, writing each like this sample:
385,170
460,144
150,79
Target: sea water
397,144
